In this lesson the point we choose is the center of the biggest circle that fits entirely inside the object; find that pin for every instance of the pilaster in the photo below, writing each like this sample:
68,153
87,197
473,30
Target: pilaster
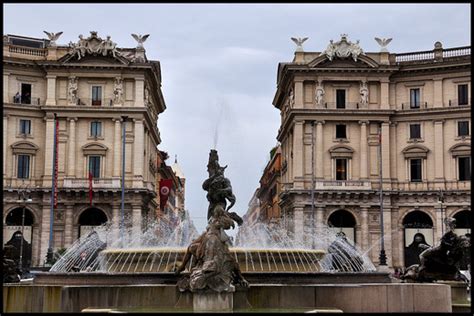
71,162
51,90
319,163
117,148
6,92
299,94
439,150
138,148
363,150
139,92
384,95
298,154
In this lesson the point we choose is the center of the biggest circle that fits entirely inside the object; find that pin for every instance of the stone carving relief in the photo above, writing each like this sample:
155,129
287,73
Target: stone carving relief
118,90
319,94
291,99
343,49
93,45
364,93
72,90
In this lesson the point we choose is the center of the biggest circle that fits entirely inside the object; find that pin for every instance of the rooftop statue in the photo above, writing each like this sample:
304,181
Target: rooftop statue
213,266
383,44
140,39
343,49
93,45
443,261
299,42
53,37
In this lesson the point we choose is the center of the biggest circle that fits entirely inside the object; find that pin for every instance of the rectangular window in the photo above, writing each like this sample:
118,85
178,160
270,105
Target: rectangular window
96,95
463,128
341,169
96,129
464,166
415,98
23,166
341,131
462,94
340,98
26,93
415,170
25,127
94,166
415,131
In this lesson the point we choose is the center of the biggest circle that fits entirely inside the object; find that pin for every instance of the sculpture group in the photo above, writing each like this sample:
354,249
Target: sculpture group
93,45
212,265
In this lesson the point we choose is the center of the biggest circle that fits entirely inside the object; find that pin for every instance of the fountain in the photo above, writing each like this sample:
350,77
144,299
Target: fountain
267,269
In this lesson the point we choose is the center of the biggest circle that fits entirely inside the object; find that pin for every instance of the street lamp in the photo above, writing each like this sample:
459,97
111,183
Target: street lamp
440,201
382,256
23,198
122,210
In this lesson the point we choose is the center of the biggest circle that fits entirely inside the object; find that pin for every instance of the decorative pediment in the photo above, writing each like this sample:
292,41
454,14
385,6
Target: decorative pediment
462,149
363,61
96,47
23,147
94,149
341,151
415,151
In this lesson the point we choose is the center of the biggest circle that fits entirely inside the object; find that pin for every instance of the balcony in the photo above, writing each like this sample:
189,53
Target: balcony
94,103
99,183
343,185
26,101
40,52
347,106
457,102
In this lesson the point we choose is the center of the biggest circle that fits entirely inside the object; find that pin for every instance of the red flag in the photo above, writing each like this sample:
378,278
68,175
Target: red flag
56,164
90,188
165,188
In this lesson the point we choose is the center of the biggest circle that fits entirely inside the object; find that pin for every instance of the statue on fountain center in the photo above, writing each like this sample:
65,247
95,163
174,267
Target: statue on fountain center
213,266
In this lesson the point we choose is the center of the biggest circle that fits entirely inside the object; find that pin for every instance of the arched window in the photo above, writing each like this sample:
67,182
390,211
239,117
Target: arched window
463,222
343,221
418,229
89,219
12,233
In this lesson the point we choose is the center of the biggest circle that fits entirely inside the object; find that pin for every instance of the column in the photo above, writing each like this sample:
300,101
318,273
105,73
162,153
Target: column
299,94
6,94
44,239
386,154
363,150
438,93
136,221
384,96
5,139
116,218
48,151
68,229
138,147
71,159
319,219
117,154
139,92
51,90
298,223
439,150
364,227
318,161
298,155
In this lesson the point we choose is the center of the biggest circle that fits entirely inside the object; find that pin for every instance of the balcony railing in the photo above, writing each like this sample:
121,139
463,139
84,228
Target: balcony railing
457,52
347,106
456,102
415,56
430,185
99,183
94,103
27,50
343,185
26,101
431,55
409,106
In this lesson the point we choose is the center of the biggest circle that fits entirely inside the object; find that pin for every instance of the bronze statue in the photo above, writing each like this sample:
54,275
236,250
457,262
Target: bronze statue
11,272
443,261
213,267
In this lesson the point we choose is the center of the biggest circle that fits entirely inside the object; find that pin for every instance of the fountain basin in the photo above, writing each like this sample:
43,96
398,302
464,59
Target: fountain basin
165,259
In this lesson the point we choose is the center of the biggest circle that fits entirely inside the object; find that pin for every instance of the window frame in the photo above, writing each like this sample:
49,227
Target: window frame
89,162
410,165
410,136
459,168
459,95
20,132
458,128
99,102
345,98
90,129
414,105
346,169
345,131
28,167
22,100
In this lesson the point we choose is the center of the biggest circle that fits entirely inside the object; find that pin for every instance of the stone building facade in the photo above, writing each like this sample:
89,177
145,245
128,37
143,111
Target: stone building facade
90,86
270,188
335,107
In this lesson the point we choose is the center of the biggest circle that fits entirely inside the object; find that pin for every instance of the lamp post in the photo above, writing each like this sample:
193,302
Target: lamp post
50,253
22,196
440,201
382,256
122,210
312,184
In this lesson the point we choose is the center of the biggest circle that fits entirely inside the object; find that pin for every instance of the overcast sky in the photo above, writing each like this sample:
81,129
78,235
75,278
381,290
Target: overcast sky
219,65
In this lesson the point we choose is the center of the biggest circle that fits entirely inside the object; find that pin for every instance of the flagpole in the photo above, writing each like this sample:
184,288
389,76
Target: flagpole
49,255
122,211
